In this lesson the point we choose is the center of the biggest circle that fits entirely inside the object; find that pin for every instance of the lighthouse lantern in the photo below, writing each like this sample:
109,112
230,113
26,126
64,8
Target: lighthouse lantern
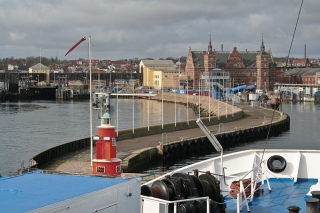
106,119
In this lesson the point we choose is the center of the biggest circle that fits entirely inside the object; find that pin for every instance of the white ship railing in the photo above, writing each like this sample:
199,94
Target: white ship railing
152,204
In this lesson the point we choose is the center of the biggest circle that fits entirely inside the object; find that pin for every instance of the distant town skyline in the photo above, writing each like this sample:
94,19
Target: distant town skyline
155,29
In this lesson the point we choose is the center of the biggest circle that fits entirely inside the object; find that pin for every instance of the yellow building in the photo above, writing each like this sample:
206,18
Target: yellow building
41,69
159,74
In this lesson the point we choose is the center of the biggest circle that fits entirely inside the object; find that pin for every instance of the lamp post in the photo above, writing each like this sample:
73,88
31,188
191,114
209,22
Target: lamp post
209,97
132,104
179,73
187,100
110,78
175,108
199,105
162,105
148,105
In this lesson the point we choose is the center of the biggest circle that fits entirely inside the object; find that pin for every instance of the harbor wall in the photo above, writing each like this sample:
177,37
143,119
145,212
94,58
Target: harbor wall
190,147
58,151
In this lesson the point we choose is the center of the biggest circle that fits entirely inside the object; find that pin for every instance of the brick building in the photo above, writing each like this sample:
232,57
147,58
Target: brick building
245,67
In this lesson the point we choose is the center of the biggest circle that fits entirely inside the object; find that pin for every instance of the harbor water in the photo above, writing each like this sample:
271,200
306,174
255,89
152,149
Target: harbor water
28,128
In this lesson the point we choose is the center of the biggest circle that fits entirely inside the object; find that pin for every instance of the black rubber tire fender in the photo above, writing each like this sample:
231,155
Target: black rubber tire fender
275,169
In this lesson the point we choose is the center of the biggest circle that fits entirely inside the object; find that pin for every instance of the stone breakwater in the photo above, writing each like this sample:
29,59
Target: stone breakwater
217,108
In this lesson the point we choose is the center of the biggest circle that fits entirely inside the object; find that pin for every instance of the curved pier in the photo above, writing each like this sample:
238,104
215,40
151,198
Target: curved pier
244,124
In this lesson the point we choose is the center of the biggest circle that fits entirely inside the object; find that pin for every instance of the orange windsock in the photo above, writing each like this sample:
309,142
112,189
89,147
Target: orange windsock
74,46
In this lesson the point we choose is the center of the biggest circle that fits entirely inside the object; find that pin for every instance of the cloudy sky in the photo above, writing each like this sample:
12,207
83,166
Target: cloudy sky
126,29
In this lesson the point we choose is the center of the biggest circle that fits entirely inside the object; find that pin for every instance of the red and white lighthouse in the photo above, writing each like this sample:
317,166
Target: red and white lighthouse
106,161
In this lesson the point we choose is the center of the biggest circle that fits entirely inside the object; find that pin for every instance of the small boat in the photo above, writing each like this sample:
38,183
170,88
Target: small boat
101,97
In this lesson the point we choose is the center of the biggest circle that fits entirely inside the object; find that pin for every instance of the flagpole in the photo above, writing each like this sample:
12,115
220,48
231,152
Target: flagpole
209,97
89,55
187,101
175,108
162,107
199,96
148,105
117,113
219,98
132,105
91,142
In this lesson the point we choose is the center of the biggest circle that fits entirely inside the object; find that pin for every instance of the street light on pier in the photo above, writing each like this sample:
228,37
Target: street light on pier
110,70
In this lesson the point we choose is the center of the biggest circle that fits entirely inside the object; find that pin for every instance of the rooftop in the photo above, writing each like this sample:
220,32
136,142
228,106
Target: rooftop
37,189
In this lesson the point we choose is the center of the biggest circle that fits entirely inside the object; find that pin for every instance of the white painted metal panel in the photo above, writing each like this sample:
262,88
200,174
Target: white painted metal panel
124,197
151,206
253,97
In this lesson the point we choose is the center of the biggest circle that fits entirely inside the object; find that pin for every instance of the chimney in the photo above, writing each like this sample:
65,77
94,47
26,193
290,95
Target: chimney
221,47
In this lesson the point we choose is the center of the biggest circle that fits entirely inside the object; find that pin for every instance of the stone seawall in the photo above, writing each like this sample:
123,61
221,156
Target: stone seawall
197,146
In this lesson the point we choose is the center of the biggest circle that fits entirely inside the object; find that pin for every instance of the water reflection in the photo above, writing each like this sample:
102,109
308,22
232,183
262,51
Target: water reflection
7,109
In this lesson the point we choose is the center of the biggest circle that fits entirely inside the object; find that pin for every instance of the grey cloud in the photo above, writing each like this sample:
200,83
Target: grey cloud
149,28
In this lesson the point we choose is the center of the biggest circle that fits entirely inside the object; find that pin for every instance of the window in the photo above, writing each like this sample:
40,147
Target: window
118,168
100,169
113,141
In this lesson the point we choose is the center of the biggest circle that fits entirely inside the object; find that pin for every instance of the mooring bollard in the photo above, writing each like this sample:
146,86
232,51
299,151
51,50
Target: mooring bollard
316,194
221,129
293,209
312,205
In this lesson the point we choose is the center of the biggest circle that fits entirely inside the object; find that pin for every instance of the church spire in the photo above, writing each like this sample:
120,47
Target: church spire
209,46
262,47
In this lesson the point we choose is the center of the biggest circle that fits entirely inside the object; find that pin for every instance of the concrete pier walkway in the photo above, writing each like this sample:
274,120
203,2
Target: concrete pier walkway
79,161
